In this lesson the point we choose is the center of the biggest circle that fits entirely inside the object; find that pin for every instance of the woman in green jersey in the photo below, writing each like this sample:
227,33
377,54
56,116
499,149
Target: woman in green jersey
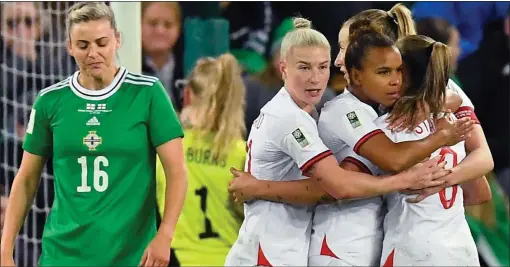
213,119
103,126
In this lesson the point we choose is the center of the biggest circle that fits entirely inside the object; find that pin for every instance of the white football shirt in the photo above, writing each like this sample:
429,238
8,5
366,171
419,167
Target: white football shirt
435,231
350,230
283,144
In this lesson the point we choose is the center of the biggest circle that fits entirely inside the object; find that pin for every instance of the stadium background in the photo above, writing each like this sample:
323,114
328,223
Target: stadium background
34,56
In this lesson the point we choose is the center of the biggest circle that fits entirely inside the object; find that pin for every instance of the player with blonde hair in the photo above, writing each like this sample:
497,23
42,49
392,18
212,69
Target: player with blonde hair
284,145
213,121
395,23
103,126
346,123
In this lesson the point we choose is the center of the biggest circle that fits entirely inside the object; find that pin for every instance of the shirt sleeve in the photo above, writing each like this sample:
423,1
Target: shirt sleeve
350,122
362,163
163,122
300,140
466,109
38,138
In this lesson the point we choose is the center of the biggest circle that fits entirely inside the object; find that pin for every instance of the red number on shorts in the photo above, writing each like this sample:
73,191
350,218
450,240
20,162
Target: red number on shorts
450,163
249,155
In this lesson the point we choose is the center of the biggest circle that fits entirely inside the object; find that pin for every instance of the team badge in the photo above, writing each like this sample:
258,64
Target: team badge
353,119
300,137
92,140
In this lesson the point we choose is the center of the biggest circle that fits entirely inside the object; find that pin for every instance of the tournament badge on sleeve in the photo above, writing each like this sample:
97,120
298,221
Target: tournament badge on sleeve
353,119
300,137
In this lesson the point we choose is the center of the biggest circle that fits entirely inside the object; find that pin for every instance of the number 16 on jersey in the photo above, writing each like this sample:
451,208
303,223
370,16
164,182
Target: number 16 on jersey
100,177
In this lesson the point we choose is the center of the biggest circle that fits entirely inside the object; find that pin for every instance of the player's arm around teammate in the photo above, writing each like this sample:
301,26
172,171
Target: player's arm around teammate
427,65
478,162
378,148
245,187
306,191
338,183
470,173
345,184
398,23
472,170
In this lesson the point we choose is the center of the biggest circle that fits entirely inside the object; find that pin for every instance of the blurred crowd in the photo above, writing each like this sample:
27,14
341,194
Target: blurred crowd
33,56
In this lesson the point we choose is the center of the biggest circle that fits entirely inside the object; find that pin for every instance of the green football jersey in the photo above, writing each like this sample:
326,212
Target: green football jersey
103,145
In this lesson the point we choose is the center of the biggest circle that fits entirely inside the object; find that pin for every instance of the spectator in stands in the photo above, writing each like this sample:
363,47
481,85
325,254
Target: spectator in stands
442,31
21,26
30,60
214,141
161,28
469,18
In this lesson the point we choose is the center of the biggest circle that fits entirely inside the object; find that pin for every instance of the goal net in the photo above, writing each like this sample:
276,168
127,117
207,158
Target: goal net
33,56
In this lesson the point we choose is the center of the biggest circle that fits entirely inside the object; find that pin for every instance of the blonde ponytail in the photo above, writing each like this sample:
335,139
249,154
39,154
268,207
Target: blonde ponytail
395,23
404,19
219,101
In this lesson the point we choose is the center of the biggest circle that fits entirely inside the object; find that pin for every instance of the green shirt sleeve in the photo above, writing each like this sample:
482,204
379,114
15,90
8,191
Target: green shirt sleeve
163,122
38,138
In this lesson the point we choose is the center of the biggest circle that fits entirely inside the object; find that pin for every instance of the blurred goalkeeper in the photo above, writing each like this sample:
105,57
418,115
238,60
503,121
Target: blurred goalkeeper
213,119
103,126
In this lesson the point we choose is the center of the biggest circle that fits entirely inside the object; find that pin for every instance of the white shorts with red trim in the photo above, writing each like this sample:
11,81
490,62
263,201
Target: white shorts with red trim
245,252
402,255
326,261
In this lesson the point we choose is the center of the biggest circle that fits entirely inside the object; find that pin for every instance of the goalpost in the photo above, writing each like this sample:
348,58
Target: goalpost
21,77
129,24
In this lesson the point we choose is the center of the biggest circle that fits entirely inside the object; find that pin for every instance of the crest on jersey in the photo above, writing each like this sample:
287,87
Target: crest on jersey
300,137
92,140
353,119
